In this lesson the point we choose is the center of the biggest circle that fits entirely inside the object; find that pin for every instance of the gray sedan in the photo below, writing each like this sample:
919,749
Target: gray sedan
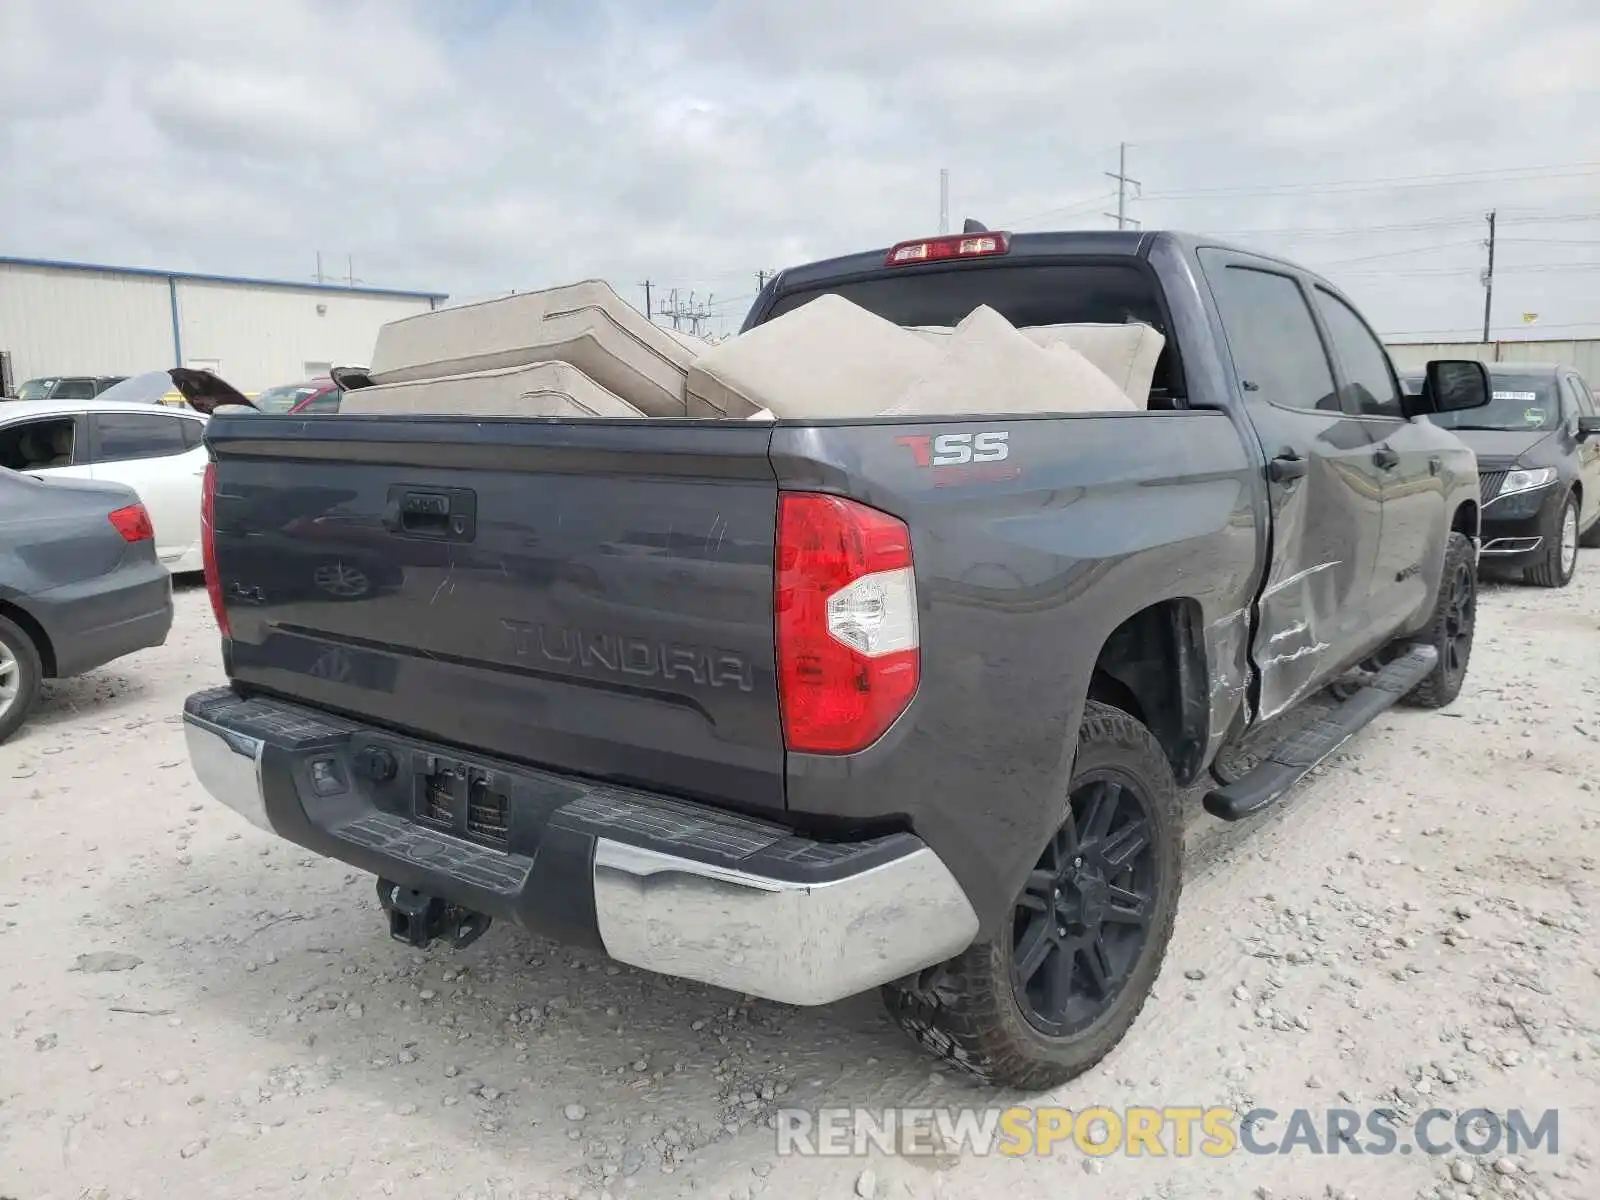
80,584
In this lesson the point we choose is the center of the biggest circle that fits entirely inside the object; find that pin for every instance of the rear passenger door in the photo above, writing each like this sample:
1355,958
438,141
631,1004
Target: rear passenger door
1312,616
1408,457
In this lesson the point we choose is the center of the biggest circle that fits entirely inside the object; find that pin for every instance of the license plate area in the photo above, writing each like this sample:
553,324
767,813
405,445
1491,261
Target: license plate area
464,799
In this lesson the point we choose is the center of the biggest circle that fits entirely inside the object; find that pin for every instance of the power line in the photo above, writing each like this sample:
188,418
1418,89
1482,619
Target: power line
1445,179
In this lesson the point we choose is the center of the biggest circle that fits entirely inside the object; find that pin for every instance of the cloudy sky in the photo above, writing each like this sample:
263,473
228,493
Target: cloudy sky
475,146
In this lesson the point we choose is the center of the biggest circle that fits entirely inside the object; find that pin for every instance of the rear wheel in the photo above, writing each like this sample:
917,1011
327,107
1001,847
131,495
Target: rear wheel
1560,559
1061,982
1455,620
20,673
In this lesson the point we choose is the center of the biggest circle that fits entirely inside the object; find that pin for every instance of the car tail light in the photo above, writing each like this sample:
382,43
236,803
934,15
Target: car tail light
133,523
960,245
208,546
846,614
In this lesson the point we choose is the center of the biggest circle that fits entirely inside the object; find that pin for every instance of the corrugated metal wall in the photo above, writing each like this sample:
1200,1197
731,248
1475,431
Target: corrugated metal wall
1584,354
261,337
57,321
83,322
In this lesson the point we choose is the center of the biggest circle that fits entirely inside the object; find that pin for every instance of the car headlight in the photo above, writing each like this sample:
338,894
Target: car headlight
1526,481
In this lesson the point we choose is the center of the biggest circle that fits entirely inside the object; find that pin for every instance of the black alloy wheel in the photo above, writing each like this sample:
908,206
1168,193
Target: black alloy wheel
1083,919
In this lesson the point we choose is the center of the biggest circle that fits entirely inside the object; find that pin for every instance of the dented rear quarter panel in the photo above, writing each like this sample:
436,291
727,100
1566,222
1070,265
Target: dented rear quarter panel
1025,566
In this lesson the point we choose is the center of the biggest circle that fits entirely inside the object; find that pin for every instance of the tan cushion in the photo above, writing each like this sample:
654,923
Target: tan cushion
585,324
828,358
989,366
547,389
1126,353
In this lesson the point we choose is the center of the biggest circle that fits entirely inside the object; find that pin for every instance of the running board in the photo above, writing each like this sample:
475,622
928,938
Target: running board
1290,761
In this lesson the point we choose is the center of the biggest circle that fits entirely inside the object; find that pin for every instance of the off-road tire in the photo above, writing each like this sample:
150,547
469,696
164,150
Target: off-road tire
29,671
1443,683
1552,571
965,1010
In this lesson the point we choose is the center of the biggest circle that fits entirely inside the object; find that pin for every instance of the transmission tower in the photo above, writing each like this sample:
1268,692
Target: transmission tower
689,314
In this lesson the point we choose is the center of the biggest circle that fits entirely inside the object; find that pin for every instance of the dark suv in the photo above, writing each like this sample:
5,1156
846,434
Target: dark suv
1538,449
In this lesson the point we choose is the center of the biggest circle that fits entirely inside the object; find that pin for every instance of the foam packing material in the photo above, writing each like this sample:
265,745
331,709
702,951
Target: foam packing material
826,359
1126,353
989,367
585,324
546,389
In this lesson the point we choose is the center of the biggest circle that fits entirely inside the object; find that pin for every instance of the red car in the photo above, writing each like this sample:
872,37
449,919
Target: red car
316,395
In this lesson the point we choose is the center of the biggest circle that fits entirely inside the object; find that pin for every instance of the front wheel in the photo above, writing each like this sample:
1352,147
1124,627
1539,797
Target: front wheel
1450,632
1560,561
1063,979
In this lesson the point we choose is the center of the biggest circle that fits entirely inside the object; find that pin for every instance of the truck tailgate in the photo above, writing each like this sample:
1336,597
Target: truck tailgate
593,597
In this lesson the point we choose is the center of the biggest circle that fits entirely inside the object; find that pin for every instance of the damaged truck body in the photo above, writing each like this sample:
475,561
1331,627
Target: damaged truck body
807,706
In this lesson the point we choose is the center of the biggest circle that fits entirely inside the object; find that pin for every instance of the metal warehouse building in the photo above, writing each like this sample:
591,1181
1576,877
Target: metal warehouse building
64,318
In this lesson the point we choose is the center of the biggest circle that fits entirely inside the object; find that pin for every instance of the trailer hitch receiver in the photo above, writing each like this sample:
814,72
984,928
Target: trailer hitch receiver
418,919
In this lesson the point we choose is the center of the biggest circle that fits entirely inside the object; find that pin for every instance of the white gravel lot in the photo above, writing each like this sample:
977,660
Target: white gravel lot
1414,928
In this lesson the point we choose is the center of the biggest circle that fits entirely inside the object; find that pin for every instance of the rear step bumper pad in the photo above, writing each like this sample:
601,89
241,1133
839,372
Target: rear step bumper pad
677,888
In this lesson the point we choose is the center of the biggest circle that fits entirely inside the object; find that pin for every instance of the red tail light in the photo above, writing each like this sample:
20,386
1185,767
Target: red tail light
960,245
133,523
846,616
208,546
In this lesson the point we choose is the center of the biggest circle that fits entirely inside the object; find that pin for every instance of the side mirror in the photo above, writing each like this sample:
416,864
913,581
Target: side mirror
1451,385
1588,427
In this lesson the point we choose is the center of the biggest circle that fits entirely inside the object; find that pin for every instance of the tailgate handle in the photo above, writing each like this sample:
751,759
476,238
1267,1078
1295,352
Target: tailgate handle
449,514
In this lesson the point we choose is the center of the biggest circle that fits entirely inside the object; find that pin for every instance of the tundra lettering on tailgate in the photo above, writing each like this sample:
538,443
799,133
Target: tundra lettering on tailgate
621,654
962,457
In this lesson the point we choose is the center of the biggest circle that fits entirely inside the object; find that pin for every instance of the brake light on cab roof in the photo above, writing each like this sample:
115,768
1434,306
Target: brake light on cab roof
957,245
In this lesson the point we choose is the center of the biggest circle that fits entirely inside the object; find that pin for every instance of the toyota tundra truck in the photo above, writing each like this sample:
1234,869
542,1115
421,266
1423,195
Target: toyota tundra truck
806,708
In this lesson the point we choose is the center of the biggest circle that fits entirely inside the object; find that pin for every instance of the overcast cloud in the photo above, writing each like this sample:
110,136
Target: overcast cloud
477,146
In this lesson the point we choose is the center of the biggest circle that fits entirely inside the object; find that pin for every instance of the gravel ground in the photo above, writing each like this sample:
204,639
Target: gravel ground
189,1008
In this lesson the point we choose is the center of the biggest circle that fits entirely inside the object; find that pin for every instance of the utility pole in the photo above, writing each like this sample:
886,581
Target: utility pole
320,277
647,310
944,200
761,280
1488,280
1121,176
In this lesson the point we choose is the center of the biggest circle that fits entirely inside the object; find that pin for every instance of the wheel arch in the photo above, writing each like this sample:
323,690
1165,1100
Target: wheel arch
24,620
1153,667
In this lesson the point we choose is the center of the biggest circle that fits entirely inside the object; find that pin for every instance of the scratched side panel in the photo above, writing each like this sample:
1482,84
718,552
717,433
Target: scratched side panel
611,615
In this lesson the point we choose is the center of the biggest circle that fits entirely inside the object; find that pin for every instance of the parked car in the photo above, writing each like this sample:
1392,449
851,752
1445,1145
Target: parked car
154,450
797,709
312,396
80,584
1538,448
65,387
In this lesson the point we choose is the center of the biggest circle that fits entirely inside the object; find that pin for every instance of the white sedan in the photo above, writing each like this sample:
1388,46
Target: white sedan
155,450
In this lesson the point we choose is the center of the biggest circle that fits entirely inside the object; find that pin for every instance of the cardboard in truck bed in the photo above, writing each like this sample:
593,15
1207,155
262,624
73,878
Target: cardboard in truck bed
988,366
585,324
826,359
546,389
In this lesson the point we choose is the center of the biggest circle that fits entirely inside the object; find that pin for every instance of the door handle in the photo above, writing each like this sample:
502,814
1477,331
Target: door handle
1286,466
449,514
1434,465
1385,458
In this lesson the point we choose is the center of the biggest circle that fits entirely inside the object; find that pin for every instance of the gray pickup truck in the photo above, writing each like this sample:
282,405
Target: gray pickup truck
802,709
